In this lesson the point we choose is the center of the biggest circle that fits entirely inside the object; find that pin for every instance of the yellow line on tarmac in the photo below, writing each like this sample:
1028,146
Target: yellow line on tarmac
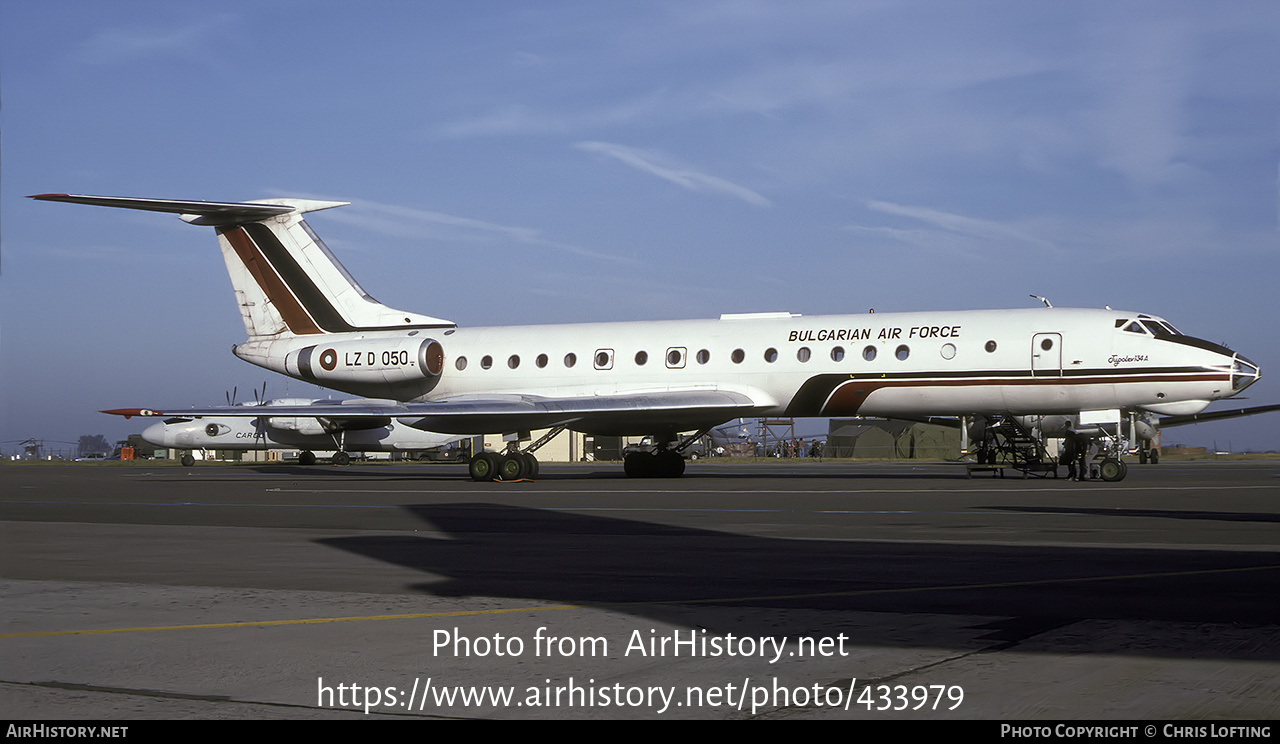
305,621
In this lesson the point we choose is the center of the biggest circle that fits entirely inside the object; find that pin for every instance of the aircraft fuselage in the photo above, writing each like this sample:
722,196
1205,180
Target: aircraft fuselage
305,316
1027,361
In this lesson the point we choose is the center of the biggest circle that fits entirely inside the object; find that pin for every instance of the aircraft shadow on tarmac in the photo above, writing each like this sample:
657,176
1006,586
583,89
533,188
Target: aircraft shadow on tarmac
595,471
1157,513
752,585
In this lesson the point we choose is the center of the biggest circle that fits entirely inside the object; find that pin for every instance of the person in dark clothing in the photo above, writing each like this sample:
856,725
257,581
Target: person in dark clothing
1072,452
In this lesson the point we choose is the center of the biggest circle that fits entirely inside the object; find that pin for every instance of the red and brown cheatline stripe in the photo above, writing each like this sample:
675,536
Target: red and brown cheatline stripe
844,395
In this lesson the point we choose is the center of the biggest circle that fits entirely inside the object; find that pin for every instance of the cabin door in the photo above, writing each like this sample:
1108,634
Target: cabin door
1046,355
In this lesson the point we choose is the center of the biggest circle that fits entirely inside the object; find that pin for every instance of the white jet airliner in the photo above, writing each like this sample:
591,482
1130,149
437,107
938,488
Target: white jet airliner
306,433
1029,369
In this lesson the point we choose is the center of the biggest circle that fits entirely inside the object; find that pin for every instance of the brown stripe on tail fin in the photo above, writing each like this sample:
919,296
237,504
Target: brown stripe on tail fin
285,279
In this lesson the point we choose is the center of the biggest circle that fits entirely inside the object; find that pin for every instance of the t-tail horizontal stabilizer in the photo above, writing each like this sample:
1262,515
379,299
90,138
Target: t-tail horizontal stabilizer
286,281
201,212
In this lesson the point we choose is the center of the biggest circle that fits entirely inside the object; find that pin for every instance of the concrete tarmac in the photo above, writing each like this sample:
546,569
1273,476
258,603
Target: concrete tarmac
879,591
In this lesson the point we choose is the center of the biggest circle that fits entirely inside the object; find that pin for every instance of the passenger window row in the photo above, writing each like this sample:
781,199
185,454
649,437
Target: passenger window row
676,357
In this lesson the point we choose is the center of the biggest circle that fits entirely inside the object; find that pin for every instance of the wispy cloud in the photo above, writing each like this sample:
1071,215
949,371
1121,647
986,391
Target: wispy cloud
969,236
677,173
522,119
959,223
400,221
137,42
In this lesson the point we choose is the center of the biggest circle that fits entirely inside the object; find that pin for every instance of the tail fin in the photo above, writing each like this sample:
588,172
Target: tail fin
285,279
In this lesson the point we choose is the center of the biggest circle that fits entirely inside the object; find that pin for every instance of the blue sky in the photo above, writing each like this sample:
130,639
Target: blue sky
518,162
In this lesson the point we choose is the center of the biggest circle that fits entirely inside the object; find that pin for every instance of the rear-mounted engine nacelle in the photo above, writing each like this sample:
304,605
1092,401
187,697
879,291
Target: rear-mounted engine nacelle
368,360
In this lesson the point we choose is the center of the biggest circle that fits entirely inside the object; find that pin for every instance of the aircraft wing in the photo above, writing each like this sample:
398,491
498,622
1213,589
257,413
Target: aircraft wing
678,410
951,422
1198,418
1162,421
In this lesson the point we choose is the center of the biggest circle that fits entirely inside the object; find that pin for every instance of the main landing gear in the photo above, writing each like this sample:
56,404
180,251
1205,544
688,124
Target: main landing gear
512,465
307,457
664,463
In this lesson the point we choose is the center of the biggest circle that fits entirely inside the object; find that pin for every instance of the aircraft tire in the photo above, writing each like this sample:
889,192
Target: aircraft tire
307,457
639,465
1155,457
187,460
669,464
483,467
512,467
531,465
1113,470
340,458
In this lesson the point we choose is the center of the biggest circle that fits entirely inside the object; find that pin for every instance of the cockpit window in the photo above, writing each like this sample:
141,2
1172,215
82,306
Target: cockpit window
1154,326
1160,328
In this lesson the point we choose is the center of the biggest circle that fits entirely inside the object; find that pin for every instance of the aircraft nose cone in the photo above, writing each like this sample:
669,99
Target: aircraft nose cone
155,434
1243,373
